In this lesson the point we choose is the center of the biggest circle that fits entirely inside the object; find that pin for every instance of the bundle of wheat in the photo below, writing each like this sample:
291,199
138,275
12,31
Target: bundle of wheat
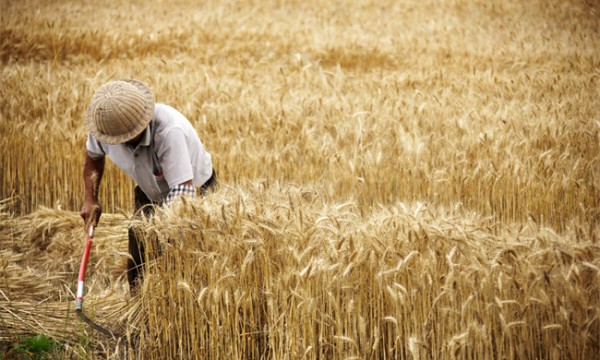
39,257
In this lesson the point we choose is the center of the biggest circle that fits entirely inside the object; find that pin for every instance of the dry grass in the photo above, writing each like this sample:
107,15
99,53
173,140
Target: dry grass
446,156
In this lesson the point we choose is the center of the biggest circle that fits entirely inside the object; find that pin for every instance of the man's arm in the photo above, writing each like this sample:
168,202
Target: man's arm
92,176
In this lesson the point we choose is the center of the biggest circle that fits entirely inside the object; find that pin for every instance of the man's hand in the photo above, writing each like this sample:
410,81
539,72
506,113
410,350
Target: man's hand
90,212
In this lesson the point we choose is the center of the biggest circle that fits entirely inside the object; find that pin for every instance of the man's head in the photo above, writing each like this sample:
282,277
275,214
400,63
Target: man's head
119,111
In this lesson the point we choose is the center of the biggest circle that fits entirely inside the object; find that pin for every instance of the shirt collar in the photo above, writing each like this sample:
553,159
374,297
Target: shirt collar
146,137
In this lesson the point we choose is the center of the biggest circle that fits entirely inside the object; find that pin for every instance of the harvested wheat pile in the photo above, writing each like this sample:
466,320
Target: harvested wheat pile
276,272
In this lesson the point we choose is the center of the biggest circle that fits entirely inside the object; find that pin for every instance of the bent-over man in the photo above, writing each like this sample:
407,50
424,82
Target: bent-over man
153,143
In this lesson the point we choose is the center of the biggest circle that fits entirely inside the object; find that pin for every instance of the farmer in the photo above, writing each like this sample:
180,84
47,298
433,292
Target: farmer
153,143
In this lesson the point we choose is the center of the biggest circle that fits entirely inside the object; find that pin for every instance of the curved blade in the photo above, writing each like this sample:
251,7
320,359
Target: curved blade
95,326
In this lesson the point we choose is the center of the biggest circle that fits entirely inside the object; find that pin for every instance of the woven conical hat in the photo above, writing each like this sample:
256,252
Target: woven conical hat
119,111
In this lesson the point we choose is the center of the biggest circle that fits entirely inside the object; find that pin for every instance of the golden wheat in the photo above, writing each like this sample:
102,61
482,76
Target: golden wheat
445,157
453,102
275,272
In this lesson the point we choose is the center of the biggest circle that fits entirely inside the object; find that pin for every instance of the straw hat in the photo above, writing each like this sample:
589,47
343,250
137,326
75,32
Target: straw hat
119,111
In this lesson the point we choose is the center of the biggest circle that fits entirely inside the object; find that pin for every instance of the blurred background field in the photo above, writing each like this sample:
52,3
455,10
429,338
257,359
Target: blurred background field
450,130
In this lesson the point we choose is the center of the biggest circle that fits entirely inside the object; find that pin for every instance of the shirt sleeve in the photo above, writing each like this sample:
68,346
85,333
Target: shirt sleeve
178,192
174,158
94,148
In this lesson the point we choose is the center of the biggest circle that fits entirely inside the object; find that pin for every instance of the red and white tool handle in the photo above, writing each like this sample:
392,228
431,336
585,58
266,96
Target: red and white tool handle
82,267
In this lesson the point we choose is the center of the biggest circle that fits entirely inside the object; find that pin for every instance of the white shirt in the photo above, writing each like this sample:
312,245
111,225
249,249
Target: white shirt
168,154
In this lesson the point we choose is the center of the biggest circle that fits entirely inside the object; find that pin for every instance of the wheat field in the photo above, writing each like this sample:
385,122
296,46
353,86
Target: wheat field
398,179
